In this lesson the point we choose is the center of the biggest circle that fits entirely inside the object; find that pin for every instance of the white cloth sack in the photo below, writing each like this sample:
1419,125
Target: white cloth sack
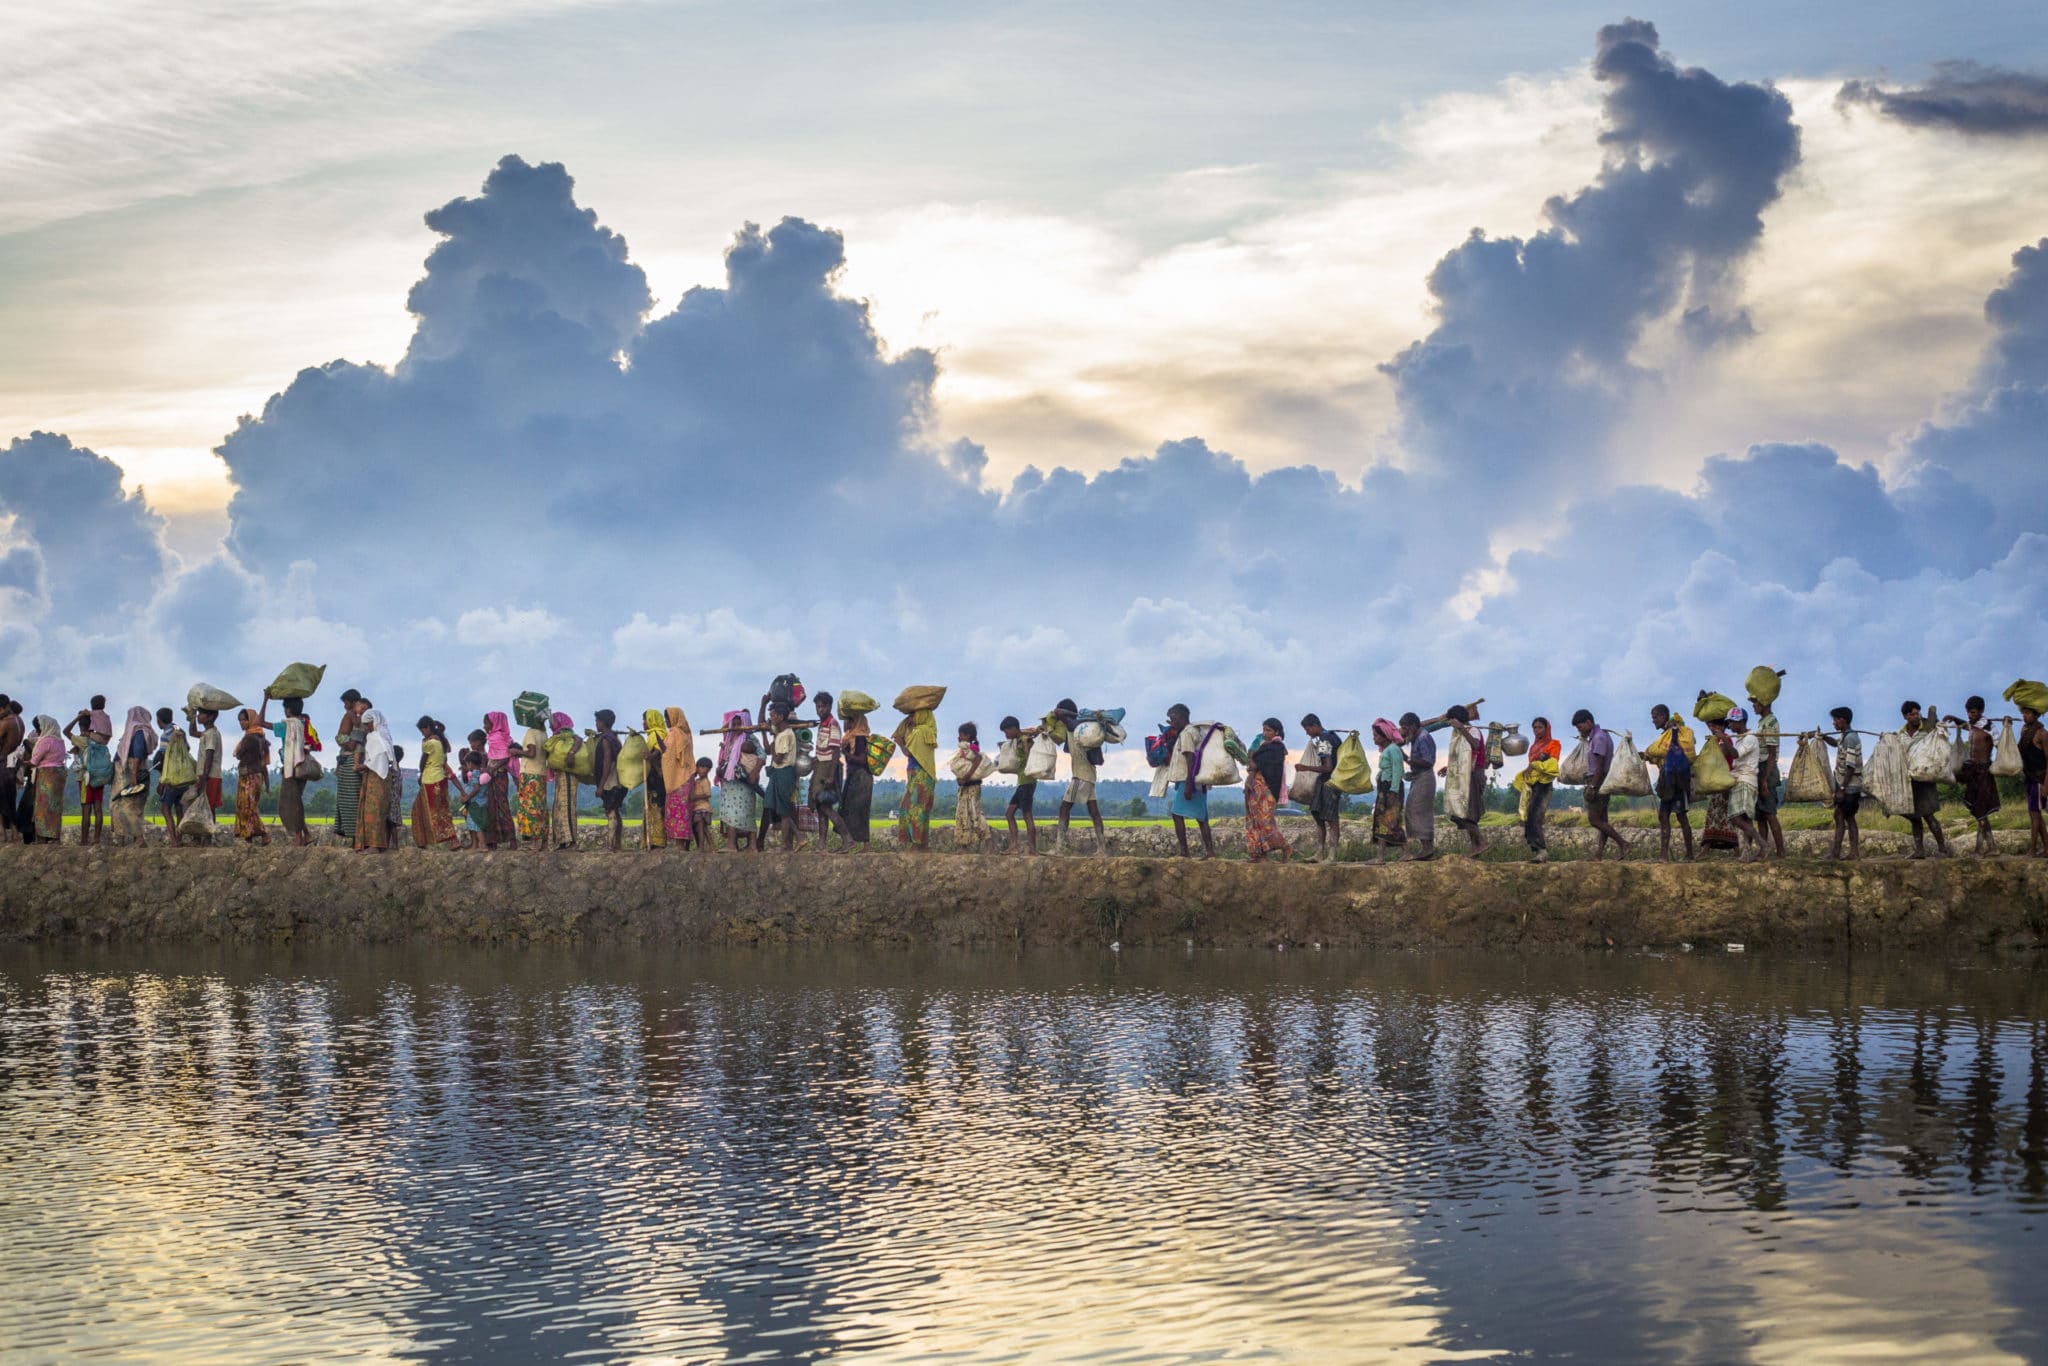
1010,756
1043,760
1886,777
1572,768
1213,765
1301,790
1458,778
1928,759
1628,775
2005,756
1088,734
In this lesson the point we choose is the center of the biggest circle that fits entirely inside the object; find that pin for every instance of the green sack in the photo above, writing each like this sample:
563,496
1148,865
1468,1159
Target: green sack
1713,707
2033,696
584,765
556,748
1764,683
297,680
1354,771
531,709
880,752
179,766
853,702
632,761
1711,775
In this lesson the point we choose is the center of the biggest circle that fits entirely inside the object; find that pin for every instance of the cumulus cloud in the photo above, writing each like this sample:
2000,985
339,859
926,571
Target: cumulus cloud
618,509
1965,97
1533,354
100,548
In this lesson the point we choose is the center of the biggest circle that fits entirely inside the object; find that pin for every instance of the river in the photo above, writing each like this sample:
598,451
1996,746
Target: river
451,1155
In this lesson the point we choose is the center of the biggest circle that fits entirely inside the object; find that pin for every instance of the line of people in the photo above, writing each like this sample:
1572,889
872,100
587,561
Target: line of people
776,777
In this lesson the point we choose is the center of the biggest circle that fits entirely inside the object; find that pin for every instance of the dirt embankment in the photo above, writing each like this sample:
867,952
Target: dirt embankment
156,894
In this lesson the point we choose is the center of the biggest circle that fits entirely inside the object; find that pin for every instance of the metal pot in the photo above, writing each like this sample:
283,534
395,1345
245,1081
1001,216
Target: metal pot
1514,744
805,762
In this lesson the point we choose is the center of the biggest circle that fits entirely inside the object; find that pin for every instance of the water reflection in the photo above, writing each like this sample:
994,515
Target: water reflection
428,1157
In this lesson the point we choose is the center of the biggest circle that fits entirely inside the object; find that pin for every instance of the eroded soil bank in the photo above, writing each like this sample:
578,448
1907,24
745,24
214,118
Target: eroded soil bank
277,895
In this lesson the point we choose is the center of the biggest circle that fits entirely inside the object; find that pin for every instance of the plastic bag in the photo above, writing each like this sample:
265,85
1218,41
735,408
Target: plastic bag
1088,735
1113,733
880,751
2005,758
2031,695
920,697
1885,776
1810,779
1043,760
1928,758
1213,765
1301,788
1711,775
1010,756
1628,775
1354,771
206,697
1713,707
1764,683
632,761
297,680
1571,770
853,702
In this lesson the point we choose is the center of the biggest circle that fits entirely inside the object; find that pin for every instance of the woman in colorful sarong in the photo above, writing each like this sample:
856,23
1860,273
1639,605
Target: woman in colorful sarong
48,758
678,773
499,829
562,810
856,780
530,773
970,822
1391,791
131,775
349,737
1262,793
739,765
917,734
376,762
654,785
432,822
252,777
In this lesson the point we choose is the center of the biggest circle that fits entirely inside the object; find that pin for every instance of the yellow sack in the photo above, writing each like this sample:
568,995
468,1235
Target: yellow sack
1764,683
1354,772
632,761
920,697
1711,775
1809,780
556,748
2033,696
1713,707
584,765
853,702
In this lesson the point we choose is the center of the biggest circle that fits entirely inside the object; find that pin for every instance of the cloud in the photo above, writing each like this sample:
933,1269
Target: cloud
1532,358
487,626
717,640
1964,97
101,548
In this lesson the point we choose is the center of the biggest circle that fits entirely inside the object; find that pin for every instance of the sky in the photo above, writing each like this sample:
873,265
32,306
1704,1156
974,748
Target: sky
1338,358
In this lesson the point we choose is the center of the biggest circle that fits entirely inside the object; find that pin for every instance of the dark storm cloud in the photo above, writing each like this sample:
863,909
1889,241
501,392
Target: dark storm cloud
1964,97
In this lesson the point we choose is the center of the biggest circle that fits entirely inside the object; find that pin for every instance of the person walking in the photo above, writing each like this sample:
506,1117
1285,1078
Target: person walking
1925,817
1847,800
970,822
1672,752
1599,759
11,737
2034,770
291,788
917,735
1980,788
1389,835
1740,749
1535,782
252,776
47,757
562,810
130,799
1024,796
177,772
1262,787
349,735
1465,776
678,773
1326,804
1420,808
376,767
500,830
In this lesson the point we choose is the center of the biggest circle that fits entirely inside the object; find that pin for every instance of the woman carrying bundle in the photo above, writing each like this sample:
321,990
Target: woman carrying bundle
562,811
376,761
917,734
252,777
653,786
1391,792
499,829
131,775
47,758
678,774
1262,794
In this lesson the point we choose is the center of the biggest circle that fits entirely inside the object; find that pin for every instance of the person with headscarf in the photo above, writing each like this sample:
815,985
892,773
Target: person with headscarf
131,774
1262,788
857,780
11,736
498,826
376,763
530,770
252,777
48,760
739,765
917,734
1388,832
349,737
653,784
563,745
432,822
678,773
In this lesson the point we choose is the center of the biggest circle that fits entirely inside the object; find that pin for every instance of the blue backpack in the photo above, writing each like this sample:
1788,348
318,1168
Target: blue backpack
1677,763
99,765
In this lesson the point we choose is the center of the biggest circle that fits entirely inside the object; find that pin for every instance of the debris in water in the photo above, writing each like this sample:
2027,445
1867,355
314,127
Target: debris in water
1734,948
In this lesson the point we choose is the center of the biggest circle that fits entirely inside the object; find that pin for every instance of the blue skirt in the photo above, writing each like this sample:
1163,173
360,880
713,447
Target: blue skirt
1195,808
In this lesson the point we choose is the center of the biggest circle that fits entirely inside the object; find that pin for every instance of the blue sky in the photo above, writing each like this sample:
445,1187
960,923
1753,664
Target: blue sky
1111,350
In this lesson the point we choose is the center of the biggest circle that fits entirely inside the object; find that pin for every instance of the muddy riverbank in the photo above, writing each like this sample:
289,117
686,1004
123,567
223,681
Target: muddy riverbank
277,895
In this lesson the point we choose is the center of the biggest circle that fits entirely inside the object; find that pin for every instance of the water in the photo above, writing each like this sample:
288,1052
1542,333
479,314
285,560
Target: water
1144,1157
